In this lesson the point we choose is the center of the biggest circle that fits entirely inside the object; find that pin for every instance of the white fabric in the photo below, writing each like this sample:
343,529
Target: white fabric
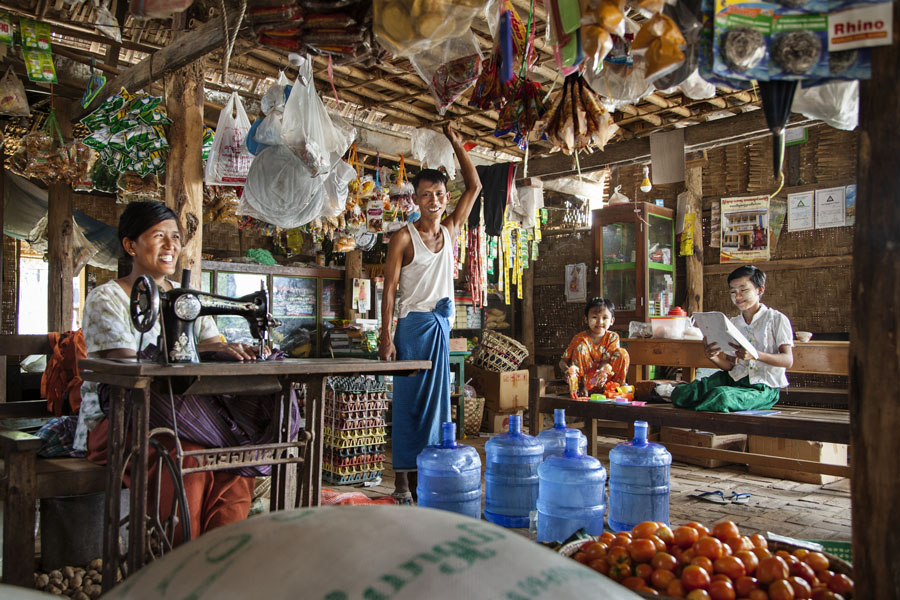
428,278
767,331
106,325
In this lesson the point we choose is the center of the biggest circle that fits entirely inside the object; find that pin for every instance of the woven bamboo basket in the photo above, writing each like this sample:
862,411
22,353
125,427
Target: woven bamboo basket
836,564
474,413
498,352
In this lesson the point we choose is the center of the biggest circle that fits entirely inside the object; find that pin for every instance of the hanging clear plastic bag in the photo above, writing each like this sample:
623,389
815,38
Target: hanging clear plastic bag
82,248
433,150
13,100
277,94
836,103
450,68
618,197
307,129
229,160
697,88
106,23
407,27
336,189
620,84
281,191
269,130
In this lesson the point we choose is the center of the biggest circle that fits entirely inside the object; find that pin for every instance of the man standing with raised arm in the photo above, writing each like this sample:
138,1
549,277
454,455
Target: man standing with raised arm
420,259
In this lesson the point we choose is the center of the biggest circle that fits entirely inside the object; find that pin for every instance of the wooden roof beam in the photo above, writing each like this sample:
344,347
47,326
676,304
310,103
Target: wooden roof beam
669,105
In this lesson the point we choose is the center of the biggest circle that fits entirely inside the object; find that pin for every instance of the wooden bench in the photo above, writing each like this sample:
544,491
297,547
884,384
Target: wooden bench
25,478
792,422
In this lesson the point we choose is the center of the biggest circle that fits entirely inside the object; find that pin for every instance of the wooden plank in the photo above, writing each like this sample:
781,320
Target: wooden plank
817,262
23,345
528,313
2,213
694,262
875,331
68,477
28,409
762,460
291,367
18,518
19,441
60,240
744,127
179,53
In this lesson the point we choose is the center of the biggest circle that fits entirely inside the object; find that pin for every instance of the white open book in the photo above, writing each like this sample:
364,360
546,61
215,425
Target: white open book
718,329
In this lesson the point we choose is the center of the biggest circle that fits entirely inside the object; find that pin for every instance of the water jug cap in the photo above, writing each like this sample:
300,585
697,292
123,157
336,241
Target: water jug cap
573,437
448,438
640,433
515,424
559,418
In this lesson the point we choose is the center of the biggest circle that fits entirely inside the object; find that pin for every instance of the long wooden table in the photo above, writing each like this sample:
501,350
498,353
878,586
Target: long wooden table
217,378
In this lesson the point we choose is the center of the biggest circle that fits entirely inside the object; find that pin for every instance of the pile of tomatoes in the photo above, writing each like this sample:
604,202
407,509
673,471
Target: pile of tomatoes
696,563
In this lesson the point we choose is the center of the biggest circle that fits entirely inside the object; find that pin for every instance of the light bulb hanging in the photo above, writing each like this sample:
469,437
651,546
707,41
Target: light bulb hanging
645,182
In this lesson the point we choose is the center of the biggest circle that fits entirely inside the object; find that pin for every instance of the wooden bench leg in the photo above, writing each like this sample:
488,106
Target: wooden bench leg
590,428
19,519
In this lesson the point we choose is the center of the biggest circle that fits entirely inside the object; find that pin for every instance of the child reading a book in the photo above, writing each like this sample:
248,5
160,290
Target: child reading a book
745,383
594,355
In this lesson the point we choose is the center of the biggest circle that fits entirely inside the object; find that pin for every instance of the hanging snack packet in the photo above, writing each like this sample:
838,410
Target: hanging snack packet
35,35
39,66
610,15
13,100
741,43
799,46
375,213
660,41
6,30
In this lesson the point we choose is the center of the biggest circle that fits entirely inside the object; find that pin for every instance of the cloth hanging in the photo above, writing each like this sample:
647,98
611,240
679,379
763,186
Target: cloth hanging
496,181
61,383
422,401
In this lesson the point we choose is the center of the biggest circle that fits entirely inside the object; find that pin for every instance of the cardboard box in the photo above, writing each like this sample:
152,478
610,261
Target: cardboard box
833,454
506,391
458,345
498,421
703,439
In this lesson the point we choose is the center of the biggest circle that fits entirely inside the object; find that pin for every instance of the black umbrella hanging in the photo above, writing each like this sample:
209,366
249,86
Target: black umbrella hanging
777,98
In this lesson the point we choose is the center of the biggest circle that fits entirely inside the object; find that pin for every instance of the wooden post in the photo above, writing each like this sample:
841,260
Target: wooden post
2,264
60,239
528,314
353,269
693,181
184,173
875,333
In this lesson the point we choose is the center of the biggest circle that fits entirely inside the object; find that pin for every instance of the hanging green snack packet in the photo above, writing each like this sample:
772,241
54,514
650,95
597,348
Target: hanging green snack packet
98,140
155,117
39,66
6,30
35,35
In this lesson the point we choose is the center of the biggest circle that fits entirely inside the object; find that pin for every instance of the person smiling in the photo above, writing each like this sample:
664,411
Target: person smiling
594,355
151,240
420,260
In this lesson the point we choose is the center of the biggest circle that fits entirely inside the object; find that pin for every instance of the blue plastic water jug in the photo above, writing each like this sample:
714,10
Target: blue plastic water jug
450,476
511,475
571,494
638,481
554,440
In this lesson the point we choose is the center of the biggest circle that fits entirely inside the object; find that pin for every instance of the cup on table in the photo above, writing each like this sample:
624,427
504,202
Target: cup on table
803,336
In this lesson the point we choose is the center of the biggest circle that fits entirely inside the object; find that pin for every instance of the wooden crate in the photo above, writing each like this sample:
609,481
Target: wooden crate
834,454
703,439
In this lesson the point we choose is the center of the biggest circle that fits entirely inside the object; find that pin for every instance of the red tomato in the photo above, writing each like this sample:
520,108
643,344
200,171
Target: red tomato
731,566
606,537
802,590
661,578
758,595
709,547
685,536
771,569
780,589
817,560
675,589
618,555
800,553
594,549
632,583
642,550
722,590
657,541
759,541
700,527
666,534
644,571
737,544
664,561
695,577
601,565
824,576
619,571
622,539
744,585
825,594
750,560
801,569
724,530
704,563
761,553
840,584
644,529
698,595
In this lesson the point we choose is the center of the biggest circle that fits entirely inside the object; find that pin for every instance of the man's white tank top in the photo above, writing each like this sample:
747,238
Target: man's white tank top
428,278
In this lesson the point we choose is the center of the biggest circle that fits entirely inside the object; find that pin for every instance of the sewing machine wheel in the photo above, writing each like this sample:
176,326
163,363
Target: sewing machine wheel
144,304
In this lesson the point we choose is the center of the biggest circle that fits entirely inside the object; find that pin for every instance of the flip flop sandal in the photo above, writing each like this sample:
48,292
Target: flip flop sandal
739,498
403,498
716,497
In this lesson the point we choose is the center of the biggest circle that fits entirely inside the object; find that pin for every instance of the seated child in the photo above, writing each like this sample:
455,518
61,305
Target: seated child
594,355
745,383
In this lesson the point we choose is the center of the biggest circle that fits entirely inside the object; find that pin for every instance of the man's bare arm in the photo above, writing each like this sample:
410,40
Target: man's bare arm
392,265
460,215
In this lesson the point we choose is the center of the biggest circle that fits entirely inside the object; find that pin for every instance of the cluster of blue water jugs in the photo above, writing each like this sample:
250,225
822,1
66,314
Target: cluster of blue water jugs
552,474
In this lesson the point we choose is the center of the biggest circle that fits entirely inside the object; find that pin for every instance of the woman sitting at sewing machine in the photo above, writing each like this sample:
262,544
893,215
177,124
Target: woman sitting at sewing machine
150,238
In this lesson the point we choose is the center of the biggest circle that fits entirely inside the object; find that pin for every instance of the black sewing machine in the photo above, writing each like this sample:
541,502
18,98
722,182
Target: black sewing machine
178,308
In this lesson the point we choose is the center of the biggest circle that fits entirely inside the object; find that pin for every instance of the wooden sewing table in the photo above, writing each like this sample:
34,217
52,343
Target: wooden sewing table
217,378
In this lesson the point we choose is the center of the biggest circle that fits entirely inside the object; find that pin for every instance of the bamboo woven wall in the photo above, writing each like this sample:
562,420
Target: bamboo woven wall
224,240
9,300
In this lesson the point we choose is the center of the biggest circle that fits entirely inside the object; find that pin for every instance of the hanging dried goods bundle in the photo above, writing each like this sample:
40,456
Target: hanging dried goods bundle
578,121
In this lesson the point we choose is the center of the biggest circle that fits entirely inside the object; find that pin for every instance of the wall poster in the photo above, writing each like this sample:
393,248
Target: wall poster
745,229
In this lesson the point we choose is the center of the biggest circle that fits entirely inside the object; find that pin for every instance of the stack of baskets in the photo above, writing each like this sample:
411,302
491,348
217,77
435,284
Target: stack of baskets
354,435
498,353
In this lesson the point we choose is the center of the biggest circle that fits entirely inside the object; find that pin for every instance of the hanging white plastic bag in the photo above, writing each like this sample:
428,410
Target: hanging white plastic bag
433,150
106,23
307,128
618,197
450,68
281,191
336,189
269,131
13,100
620,84
836,103
277,94
229,160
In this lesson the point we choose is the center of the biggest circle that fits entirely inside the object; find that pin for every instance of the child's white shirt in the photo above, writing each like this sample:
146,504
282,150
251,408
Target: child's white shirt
767,331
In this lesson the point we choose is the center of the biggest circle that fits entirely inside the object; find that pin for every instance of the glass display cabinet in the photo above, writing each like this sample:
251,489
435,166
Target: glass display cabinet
634,260
302,298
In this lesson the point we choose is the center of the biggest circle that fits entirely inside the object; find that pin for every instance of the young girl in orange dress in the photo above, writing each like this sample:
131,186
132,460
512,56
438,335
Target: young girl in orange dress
594,355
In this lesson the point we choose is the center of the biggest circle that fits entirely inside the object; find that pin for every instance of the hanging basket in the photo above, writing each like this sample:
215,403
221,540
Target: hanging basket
498,352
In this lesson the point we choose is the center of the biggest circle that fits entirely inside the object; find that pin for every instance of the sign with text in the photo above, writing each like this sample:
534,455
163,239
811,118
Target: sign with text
860,27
